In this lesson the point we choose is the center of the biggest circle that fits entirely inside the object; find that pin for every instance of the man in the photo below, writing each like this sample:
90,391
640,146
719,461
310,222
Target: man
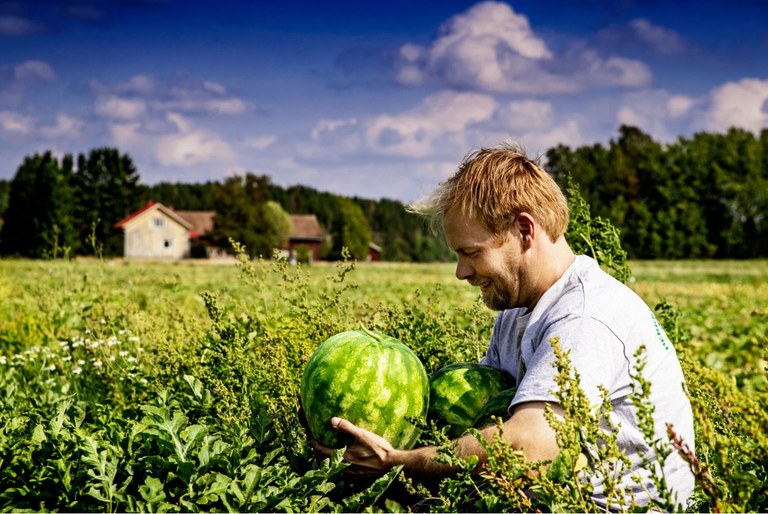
506,218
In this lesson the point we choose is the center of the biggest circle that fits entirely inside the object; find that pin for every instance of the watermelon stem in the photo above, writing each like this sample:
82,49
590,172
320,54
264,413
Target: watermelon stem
370,333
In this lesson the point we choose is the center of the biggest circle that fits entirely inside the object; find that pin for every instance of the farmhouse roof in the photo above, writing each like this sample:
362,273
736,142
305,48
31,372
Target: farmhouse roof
201,221
149,207
306,226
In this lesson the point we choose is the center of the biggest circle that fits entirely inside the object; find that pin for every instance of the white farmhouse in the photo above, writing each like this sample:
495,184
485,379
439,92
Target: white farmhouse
155,232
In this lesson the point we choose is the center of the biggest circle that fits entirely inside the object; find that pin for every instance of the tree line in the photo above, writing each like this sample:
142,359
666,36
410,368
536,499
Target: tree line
699,197
68,206
55,207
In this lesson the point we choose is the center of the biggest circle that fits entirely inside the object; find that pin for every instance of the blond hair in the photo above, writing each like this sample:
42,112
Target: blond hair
492,186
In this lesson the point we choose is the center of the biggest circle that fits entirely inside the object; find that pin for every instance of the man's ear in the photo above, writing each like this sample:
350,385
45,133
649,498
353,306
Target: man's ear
526,227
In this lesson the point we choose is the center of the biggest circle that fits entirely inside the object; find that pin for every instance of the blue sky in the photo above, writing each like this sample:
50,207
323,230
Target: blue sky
376,99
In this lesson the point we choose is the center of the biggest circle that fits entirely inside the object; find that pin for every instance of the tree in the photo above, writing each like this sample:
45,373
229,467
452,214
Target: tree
38,221
700,197
182,197
245,214
350,229
106,190
278,226
5,189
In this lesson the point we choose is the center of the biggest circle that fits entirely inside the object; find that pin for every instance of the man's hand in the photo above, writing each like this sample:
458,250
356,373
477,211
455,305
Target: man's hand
369,454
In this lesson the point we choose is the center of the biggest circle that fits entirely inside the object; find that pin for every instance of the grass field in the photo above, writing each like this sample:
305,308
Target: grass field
94,354
722,303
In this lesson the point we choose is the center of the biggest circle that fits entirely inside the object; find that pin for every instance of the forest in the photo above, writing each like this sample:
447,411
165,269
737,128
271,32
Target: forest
705,196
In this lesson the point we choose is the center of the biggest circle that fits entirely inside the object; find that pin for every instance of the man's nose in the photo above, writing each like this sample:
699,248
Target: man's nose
463,269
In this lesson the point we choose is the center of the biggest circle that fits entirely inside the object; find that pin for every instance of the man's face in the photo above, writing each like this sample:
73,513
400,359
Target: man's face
492,262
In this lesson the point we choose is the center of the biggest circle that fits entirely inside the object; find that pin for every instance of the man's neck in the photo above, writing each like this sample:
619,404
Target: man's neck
554,260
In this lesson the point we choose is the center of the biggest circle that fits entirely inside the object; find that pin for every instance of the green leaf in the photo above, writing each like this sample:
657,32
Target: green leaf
38,435
358,502
152,491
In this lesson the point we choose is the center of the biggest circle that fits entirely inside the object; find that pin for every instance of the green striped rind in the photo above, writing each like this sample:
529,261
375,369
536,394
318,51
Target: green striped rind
459,391
370,379
497,406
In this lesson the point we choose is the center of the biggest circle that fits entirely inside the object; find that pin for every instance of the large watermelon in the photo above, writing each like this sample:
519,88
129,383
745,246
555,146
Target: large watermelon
459,391
370,379
496,406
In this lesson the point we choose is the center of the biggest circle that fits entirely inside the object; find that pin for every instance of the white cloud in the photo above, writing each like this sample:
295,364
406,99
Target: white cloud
679,105
492,48
18,80
442,115
325,126
117,108
189,145
662,40
17,26
14,122
199,97
34,71
260,143
141,92
527,114
66,126
484,47
214,87
440,129
136,85
537,142
181,144
742,104
149,119
658,112
126,135
331,139
614,71
228,105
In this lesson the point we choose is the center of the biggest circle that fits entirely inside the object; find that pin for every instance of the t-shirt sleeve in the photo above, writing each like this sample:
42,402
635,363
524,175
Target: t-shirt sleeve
595,353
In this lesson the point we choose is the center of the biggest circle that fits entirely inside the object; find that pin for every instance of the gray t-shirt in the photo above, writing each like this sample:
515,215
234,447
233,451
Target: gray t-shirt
603,323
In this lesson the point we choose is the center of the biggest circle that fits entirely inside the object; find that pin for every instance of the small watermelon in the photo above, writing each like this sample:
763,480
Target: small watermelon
370,379
459,391
496,406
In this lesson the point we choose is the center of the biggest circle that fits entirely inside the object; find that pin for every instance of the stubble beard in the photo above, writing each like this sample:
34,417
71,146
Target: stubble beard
497,300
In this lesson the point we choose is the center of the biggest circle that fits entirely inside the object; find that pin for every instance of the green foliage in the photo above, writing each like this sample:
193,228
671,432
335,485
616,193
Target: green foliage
5,188
238,205
245,214
595,237
193,405
278,222
350,230
403,236
106,189
38,221
182,197
698,197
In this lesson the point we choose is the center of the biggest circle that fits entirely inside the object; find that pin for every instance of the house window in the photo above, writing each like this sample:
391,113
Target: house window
158,222
168,243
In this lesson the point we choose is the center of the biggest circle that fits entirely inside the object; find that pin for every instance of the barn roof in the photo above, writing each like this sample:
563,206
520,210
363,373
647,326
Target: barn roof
201,221
306,226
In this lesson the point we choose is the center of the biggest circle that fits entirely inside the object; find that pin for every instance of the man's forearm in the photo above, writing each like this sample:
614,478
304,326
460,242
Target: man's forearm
528,431
425,462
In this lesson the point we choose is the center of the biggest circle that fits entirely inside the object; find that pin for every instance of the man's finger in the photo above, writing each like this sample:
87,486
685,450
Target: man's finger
321,452
342,425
